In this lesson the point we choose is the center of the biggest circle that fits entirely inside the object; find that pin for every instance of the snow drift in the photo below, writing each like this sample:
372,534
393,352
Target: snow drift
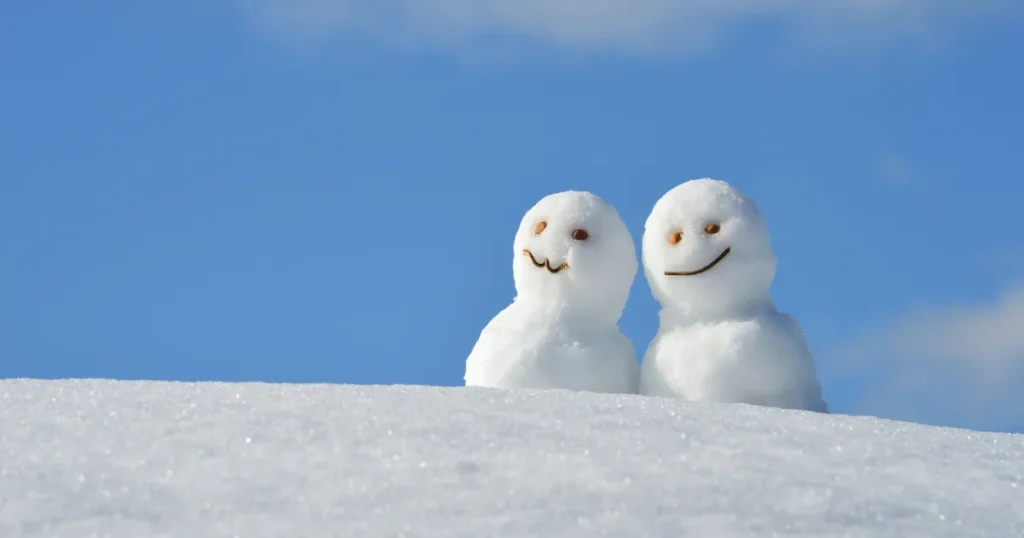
146,459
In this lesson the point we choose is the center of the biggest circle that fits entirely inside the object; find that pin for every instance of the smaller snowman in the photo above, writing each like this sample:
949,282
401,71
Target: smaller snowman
573,265
708,259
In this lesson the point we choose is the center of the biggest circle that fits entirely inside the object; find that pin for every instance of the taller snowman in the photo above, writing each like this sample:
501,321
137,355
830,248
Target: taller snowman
709,261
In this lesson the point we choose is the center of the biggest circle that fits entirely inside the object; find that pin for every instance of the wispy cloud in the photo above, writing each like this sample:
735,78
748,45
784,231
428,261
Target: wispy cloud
897,168
621,25
960,365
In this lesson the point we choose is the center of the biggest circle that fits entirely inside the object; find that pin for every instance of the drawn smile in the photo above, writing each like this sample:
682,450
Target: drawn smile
546,263
702,269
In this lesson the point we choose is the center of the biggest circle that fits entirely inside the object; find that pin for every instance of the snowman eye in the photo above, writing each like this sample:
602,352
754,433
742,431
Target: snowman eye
539,227
580,234
712,229
675,238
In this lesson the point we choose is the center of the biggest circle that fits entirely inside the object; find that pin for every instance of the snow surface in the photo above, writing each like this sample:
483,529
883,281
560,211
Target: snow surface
573,262
708,259
146,459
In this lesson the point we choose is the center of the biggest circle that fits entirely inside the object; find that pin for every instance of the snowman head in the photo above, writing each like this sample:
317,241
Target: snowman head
706,250
573,251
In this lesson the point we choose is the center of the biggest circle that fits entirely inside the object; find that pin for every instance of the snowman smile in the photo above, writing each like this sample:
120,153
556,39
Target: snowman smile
546,263
702,269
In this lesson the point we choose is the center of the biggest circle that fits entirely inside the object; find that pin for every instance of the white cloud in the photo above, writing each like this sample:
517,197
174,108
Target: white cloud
959,365
622,25
990,337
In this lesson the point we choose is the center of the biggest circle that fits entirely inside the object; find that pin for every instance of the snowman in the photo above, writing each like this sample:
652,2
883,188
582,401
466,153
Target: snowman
708,259
573,265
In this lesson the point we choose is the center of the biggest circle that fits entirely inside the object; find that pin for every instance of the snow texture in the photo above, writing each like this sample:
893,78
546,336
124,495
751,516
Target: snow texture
151,459
708,259
573,262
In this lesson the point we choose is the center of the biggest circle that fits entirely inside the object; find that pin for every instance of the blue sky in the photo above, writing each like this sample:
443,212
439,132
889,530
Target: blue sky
327,190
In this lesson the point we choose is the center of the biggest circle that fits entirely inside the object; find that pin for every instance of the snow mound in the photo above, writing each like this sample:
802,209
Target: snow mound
145,459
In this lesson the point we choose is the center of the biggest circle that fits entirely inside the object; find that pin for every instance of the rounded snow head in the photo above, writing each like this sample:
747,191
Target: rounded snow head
706,250
573,251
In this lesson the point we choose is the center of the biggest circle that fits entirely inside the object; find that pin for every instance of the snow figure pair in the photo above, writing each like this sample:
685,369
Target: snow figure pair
709,262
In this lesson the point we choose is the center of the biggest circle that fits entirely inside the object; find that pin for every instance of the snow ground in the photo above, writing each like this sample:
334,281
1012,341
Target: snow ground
147,459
